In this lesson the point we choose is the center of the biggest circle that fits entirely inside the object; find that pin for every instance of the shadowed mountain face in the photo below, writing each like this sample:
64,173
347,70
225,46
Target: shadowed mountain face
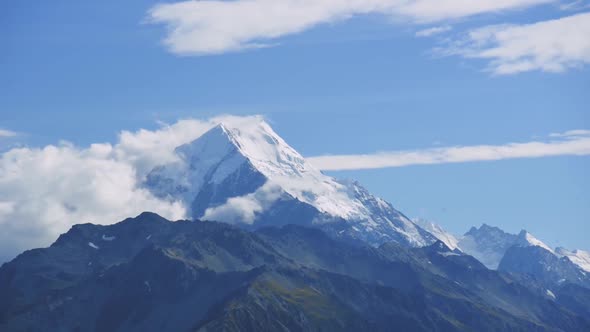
149,274
544,266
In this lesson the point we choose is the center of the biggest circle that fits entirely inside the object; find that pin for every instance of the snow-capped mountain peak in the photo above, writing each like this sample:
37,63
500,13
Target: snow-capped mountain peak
579,257
266,150
526,239
445,237
487,243
240,170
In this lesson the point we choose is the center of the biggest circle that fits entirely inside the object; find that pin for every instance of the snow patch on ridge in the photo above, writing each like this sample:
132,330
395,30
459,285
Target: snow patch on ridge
108,238
579,257
447,238
527,239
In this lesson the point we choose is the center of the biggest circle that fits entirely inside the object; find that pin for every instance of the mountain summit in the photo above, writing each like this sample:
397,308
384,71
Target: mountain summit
243,172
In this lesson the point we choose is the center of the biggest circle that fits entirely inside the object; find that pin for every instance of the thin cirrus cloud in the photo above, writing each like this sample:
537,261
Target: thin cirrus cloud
433,31
214,26
7,133
551,46
570,143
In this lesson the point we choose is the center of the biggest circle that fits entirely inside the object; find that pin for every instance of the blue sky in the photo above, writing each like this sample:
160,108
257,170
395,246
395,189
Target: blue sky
354,81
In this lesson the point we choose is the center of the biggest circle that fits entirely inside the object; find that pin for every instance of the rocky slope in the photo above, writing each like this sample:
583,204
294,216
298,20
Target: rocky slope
149,274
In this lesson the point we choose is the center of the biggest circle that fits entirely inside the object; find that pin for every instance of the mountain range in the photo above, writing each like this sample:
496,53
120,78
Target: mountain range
520,253
150,274
273,244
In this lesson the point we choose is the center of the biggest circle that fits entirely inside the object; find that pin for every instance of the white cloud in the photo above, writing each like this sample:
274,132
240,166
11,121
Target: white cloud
572,133
7,133
214,26
44,191
433,31
243,209
551,46
576,143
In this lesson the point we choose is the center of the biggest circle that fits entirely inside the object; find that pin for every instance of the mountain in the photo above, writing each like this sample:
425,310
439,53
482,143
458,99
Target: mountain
526,256
245,173
447,238
149,274
526,239
579,257
487,243
543,265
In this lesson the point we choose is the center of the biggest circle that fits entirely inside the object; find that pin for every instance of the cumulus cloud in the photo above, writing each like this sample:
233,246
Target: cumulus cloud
44,191
573,143
551,46
215,26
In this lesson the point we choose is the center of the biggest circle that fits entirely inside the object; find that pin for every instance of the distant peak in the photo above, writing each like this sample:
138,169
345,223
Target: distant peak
485,226
220,127
483,229
526,239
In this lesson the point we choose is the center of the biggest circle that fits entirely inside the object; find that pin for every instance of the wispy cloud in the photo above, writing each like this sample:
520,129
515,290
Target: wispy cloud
574,5
7,133
433,31
551,46
215,26
572,133
575,142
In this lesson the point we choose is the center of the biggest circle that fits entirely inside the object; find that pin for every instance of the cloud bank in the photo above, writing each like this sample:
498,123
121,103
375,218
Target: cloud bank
571,143
551,46
215,26
44,191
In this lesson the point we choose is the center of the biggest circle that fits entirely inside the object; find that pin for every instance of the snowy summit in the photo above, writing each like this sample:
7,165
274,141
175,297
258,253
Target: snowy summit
241,171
